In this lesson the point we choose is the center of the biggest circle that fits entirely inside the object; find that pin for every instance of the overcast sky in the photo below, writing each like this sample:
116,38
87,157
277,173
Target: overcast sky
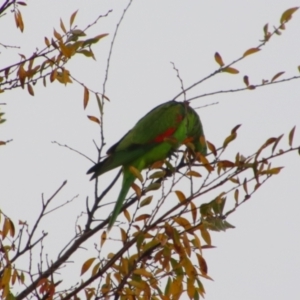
257,260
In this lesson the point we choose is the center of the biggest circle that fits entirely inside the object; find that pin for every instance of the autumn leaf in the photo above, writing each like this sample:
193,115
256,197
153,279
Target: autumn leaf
57,35
287,15
291,136
236,195
250,51
62,26
103,238
127,215
123,235
193,174
30,89
87,264
153,186
212,148
72,18
146,201
136,173
180,196
276,76
86,95
137,190
230,70
142,217
205,162
219,59
47,42
94,119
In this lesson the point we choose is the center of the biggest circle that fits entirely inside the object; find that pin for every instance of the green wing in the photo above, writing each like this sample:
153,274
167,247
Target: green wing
148,132
156,122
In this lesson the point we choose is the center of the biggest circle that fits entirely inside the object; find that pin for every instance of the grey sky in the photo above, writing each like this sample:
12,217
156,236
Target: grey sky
257,260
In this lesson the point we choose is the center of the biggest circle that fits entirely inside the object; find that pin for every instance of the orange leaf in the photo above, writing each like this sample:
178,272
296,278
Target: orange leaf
205,235
86,95
212,148
245,186
87,265
229,139
230,70
5,228
123,235
157,165
272,171
127,215
6,276
95,269
276,76
103,238
205,162
236,195
72,18
94,119
137,190
265,29
226,164
30,89
136,173
193,174
287,15
291,136
142,272
251,51
183,222
62,26
180,196
53,75
47,42
193,211
19,20
57,35
22,75
202,264
142,217
219,59
276,143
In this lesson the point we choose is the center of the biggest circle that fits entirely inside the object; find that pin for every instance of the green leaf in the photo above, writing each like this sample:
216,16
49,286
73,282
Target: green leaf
146,201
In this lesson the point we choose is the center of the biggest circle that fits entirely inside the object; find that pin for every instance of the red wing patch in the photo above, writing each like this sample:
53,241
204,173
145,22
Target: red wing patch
160,138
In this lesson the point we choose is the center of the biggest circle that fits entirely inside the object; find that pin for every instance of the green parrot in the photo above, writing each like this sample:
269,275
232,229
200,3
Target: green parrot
153,138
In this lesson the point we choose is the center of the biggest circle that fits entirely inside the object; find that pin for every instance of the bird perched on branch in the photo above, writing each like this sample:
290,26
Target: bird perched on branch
153,138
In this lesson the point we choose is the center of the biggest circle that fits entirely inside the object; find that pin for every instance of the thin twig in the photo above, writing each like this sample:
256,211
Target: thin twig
72,149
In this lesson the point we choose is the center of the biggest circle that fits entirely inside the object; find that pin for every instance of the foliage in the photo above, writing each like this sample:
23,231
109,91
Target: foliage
159,255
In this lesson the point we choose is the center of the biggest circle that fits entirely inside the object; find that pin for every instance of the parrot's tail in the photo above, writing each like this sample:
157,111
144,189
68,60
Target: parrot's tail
102,167
128,179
